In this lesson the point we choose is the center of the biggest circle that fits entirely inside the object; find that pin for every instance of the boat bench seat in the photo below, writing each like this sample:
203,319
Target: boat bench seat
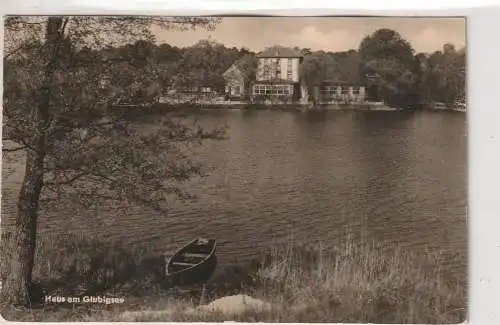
183,264
195,255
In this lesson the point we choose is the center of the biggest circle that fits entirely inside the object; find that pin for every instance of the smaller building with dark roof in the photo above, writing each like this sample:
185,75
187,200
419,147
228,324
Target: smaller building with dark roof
239,77
334,91
236,82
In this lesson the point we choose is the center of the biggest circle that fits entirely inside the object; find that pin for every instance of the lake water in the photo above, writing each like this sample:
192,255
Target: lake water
391,177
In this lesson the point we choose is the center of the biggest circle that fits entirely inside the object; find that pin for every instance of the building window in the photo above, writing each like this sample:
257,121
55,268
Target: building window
266,73
277,71
289,69
237,90
328,91
273,90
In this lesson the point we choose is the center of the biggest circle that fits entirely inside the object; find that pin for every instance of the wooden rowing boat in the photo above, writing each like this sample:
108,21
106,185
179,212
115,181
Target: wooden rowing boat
192,264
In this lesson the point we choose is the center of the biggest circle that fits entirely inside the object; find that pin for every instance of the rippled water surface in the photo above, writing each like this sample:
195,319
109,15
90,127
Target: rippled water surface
390,177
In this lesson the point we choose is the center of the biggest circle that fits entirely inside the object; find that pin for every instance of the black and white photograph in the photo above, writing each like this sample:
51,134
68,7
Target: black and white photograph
249,168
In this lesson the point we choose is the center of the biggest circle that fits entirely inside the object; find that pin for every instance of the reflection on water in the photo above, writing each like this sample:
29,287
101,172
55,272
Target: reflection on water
398,178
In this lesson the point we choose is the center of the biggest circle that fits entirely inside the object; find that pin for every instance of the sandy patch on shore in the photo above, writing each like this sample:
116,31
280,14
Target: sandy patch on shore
235,305
229,306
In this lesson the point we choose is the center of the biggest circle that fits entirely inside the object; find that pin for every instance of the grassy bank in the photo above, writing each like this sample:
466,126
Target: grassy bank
302,284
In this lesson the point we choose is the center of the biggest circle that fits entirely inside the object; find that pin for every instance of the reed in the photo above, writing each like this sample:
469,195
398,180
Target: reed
304,283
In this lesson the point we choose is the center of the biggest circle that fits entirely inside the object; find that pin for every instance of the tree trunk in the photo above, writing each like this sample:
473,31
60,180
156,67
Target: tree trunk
16,289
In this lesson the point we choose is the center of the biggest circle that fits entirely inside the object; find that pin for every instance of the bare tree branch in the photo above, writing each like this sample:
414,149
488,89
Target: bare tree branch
14,149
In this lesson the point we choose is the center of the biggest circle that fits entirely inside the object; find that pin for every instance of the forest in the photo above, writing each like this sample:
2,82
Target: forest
385,63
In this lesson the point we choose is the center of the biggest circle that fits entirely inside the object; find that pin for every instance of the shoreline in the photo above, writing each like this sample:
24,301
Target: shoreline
300,282
292,107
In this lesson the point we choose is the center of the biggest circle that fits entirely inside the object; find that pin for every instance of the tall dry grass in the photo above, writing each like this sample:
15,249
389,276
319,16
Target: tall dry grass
303,283
347,284
353,283
74,264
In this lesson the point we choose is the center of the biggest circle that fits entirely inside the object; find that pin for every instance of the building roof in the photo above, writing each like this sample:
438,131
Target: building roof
278,51
235,67
239,64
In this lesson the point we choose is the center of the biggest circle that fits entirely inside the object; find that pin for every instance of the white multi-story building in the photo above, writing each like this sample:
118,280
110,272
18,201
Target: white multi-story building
278,72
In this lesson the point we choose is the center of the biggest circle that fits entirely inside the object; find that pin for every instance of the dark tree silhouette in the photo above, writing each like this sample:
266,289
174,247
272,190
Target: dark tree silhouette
57,95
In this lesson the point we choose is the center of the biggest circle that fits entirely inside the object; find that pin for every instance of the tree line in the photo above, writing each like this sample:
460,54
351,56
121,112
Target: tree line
385,63
393,72
200,65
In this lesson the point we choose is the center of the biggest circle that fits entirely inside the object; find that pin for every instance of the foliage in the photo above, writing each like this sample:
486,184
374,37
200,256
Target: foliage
386,43
387,67
347,67
444,75
394,74
200,65
322,66
203,65
248,65
314,68
387,63
91,147
58,97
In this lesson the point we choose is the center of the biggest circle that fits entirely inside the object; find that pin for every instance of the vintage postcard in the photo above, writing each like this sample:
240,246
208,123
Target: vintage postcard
234,168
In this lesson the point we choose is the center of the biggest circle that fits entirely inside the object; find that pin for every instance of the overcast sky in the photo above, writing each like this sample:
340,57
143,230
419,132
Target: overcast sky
323,33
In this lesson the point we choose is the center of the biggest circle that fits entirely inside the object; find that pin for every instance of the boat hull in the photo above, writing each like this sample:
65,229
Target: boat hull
177,276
